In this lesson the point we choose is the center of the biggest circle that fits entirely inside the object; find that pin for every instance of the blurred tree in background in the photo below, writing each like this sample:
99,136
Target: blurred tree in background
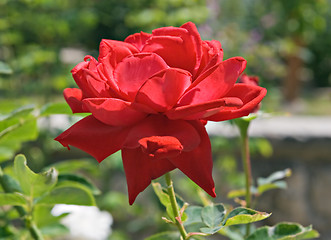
34,33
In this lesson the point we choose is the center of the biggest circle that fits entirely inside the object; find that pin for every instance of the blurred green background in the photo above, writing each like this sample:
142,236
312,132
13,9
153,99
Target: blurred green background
286,43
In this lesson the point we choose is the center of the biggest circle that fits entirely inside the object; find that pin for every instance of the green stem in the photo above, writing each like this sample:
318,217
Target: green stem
174,206
243,127
29,223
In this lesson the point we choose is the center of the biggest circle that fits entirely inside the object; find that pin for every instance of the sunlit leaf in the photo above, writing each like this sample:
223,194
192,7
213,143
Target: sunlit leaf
79,179
13,199
275,176
68,193
242,215
55,108
31,183
164,199
275,185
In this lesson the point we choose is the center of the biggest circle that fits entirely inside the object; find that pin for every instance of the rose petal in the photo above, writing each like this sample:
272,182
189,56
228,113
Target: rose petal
198,111
94,137
113,111
138,39
197,164
215,83
114,51
133,71
249,94
140,169
158,125
162,91
177,46
74,97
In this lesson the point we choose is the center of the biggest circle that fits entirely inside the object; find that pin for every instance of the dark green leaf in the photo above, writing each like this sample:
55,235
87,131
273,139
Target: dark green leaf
81,180
213,215
165,236
10,184
68,193
13,199
242,215
284,231
31,183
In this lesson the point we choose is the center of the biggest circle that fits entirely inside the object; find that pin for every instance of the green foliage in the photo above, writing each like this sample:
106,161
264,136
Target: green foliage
34,194
284,231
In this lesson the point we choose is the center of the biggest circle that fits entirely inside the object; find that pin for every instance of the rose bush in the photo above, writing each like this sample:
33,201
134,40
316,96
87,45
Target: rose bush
151,96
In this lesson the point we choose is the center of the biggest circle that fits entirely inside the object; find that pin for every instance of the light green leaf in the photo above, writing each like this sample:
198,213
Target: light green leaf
81,180
68,193
5,69
13,199
237,193
268,186
165,236
55,108
193,215
213,215
284,231
242,215
31,183
164,199
208,230
274,177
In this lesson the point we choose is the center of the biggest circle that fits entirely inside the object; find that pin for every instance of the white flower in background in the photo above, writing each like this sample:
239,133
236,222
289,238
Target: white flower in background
85,222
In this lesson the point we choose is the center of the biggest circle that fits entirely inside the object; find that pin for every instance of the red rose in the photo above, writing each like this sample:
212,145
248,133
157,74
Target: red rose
150,96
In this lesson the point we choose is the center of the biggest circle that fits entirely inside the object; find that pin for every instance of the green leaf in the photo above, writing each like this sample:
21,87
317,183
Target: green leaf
213,215
284,231
275,176
164,199
209,230
81,180
193,215
55,108
68,192
165,236
31,183
242,215
13,199
5,69
268,186
10,184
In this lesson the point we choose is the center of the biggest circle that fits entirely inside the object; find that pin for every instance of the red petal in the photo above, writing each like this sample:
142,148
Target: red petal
80,78
158,125
74,97
140,169
133,71
138,39
197,164
214,83
179,47
162,91
249,94
113,111
94,137
203,110
114,51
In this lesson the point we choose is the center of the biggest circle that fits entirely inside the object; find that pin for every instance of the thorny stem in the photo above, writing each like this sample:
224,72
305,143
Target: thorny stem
175,207
29,223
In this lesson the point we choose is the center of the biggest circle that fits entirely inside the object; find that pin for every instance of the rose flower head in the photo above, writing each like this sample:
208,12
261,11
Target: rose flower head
150,96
